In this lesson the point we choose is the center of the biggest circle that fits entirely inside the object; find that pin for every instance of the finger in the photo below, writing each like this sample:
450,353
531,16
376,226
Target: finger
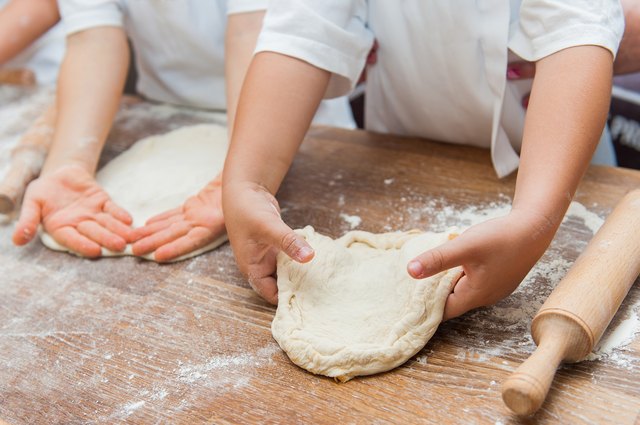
30,216
281,236
69,237
266,287
102,236
115,226
450,254
197,238
153,242
165,215
520,70
118,212
463,298
150,229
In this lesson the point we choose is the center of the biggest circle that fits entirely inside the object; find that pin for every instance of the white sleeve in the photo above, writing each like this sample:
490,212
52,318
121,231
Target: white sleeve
79,15
243,6
548,26
329,34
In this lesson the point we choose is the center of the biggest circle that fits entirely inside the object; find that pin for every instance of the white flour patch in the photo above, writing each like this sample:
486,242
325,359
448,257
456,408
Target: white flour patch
208,373
618,336
132,407
352,220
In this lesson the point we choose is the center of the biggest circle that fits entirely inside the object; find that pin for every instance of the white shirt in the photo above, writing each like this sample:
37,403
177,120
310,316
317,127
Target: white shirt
178,45
43,56
441,69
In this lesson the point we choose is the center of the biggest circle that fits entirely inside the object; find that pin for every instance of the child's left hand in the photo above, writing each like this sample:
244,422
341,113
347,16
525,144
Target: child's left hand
495,256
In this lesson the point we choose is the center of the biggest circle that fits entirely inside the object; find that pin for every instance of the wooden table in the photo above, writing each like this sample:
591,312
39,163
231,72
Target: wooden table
125,340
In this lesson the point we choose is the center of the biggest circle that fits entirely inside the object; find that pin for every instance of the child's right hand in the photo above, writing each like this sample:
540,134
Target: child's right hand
75,211
257,234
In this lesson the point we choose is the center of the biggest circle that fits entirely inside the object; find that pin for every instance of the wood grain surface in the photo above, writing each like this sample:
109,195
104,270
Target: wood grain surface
122,340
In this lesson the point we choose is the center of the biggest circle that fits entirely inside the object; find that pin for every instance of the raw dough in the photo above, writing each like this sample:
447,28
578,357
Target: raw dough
354,309
159,173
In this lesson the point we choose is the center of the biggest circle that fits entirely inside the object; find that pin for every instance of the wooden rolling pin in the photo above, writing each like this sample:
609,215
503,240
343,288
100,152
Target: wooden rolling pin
27,159
576,314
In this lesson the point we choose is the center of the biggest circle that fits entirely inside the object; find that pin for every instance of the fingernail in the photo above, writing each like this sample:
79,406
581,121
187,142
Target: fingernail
304,253
513,73
27,232
415,268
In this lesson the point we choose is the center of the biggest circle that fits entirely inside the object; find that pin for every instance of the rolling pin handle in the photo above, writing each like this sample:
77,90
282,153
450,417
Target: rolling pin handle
526,389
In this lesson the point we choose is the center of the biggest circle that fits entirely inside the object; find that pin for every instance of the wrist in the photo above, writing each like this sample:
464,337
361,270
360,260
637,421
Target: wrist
68,167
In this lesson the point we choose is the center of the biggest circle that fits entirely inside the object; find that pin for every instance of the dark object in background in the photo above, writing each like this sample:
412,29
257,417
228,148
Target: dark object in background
624,120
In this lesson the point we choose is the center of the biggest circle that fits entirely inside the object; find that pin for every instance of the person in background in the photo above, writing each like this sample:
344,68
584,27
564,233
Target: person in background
627,61
31,44
180,57
440,74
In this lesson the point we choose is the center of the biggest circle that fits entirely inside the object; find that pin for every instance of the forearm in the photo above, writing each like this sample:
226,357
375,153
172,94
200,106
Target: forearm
278,100
628,58
240,42
22,22
565,118
89,89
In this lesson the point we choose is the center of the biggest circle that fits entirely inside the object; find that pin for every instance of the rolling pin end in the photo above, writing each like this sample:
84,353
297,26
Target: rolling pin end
523,394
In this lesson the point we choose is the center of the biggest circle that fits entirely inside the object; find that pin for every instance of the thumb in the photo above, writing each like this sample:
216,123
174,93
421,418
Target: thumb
28,222
448,255
284,238
463,298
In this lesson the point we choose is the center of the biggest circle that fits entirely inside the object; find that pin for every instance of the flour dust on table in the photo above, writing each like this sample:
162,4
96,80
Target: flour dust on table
159,173
354,310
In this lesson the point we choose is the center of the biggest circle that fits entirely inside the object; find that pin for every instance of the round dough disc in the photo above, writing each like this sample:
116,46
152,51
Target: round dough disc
159,173
354,309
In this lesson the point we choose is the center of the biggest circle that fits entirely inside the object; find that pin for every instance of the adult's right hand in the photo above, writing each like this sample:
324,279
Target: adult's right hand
75,211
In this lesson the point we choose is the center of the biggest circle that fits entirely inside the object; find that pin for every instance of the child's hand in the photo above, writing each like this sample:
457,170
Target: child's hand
75,211
187,228
257,234
495,256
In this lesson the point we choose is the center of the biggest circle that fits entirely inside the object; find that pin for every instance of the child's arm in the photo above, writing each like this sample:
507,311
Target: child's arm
566,115
22,22
199,221
279,97
66,198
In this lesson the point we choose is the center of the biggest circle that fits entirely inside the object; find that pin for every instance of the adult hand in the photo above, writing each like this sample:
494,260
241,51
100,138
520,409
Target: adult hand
182,230
75,211
257,234
495,256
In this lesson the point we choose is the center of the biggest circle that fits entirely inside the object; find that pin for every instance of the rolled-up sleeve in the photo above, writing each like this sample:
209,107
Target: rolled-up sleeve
329,34
79,15
244,6
548,26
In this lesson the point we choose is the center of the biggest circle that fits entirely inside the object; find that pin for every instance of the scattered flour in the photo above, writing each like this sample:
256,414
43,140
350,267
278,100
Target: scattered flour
617,337
353,220
190,373
132,407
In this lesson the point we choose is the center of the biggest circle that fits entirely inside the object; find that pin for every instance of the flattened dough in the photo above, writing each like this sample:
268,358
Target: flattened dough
159,173
354,310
